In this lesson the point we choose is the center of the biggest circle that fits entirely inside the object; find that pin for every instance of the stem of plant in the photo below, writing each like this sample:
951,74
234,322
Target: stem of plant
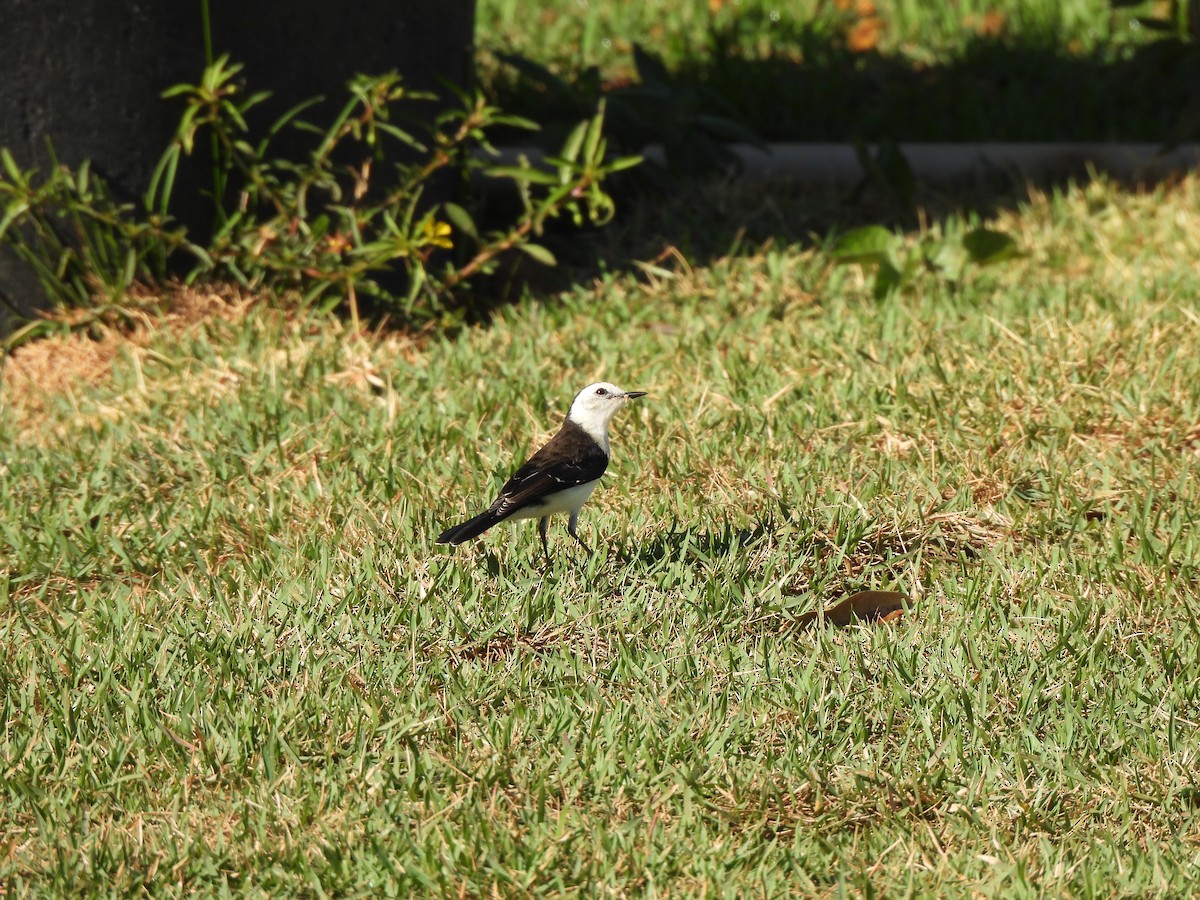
481,258
352,298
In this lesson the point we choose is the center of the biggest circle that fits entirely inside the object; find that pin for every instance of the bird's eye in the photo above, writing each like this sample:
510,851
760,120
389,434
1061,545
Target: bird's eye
601,392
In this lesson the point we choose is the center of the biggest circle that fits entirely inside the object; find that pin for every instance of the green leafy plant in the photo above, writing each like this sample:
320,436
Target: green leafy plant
85,248
948,256
659,108
351,216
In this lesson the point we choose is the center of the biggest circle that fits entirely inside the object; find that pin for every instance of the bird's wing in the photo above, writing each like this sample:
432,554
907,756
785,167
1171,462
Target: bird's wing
554,468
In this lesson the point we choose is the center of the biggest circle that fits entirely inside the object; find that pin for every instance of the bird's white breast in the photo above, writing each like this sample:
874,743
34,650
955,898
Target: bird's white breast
566,500
596,427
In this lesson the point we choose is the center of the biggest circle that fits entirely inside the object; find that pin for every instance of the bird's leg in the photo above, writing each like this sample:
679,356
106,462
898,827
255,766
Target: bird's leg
543,529
572,530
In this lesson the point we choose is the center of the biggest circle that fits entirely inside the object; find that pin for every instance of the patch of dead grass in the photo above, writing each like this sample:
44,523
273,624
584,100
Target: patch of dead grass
81,358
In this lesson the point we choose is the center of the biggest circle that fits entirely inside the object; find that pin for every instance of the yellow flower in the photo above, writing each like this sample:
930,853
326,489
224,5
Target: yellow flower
437,233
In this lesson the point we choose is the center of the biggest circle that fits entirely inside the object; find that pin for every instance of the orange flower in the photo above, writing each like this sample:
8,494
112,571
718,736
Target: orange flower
337,243
864,36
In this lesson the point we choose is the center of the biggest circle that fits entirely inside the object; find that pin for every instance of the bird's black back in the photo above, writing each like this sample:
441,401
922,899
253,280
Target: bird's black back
570,458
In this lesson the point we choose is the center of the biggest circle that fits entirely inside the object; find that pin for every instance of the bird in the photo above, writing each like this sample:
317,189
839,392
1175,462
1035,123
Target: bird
561,476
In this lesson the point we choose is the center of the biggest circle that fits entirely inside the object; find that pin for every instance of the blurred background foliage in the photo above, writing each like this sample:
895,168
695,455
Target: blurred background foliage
835,70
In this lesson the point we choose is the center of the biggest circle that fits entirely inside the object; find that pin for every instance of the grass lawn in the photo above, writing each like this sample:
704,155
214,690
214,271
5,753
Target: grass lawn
593,32
836,70
232,658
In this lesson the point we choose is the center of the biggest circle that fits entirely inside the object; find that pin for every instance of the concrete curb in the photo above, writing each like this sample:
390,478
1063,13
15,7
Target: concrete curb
838,163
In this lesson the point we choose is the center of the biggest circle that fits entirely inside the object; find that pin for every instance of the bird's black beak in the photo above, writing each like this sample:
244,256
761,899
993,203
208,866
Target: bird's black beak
633,395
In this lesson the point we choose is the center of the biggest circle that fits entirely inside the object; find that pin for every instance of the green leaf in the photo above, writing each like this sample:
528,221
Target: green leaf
593,148
869,244
538,252
177,89
292,114
986,246
573,143
949,259
516,122
402,136
523,174
624,162
887,279
11,213
28,332
129,272
162,181
10,165
419,277
460,219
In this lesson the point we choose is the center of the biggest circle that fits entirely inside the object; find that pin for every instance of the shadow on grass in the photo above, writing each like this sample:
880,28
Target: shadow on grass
666,545
696,222
809,84
694,545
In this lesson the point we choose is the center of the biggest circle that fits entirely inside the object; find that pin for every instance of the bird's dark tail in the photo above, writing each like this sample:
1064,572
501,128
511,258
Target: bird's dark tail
472,528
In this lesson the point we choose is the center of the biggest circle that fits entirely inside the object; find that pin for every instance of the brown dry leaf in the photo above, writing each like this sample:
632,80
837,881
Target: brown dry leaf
865,606
864,36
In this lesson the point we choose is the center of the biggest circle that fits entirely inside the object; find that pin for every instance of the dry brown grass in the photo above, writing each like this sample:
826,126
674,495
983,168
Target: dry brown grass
81,357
